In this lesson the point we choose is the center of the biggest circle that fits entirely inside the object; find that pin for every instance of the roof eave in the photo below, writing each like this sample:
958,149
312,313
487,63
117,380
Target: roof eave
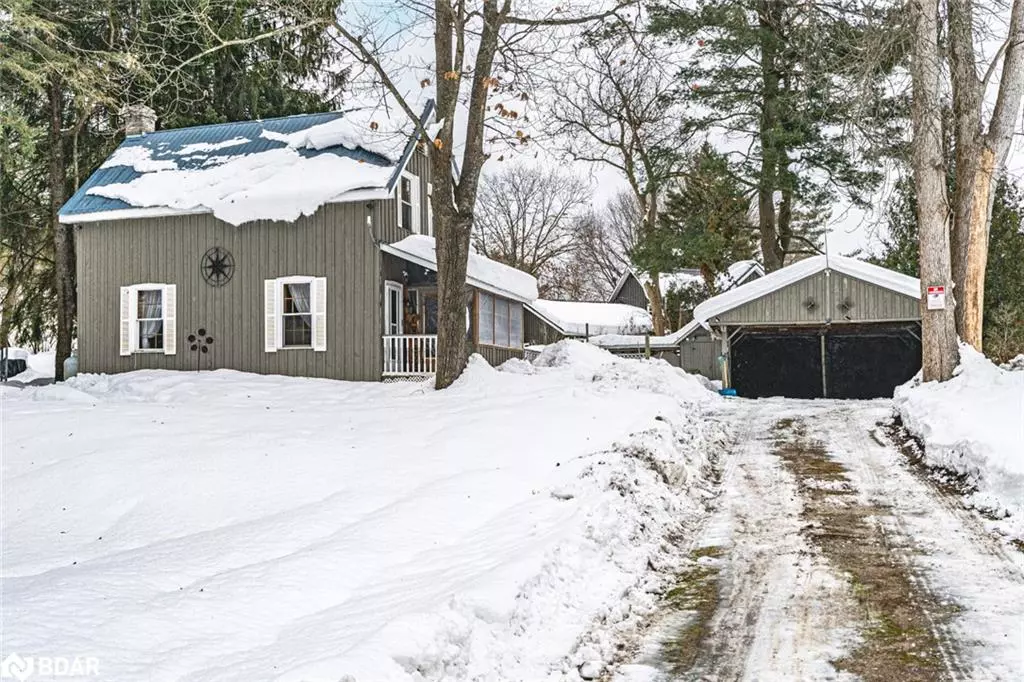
471,281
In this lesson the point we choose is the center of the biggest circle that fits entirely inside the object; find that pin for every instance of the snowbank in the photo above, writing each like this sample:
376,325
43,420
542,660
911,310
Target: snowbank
581,317
39,365
482,272
229,526
974,425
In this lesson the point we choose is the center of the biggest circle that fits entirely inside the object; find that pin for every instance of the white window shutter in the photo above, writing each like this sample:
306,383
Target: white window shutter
417,216
320,313
270,294
170,319
126,320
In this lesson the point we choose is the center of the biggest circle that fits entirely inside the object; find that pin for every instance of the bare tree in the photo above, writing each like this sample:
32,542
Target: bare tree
981,151
620,114
469,42
524,215
603,240
938,333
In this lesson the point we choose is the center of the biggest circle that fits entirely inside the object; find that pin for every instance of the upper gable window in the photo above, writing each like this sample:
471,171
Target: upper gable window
409,202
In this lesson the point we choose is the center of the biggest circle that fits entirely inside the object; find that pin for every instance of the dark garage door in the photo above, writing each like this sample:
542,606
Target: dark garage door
777,363
861,361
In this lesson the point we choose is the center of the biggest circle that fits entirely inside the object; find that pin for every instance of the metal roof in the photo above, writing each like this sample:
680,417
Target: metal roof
168,145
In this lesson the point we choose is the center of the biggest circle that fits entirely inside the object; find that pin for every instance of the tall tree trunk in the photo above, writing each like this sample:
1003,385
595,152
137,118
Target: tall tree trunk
771,251
967,99
452,259
653,287
938,330
63,244
980,157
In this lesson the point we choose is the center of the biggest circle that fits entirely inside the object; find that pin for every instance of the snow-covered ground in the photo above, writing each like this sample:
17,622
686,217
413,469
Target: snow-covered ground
40,365
974,425
227,526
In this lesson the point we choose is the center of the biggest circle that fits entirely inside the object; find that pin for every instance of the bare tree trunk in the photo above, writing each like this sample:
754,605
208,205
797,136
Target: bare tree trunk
63,243
653,287
771,251
967,97
938,330
980,157
452,259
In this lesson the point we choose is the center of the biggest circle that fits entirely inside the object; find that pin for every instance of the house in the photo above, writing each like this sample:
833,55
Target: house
826,326
300,245
549,321
630,287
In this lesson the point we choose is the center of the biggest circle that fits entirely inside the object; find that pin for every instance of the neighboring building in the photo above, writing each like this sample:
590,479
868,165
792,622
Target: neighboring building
301,246
826,326
630,287
550,321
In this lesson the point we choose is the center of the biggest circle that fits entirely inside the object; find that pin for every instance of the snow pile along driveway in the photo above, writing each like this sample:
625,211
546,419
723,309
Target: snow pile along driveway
228,526
973,425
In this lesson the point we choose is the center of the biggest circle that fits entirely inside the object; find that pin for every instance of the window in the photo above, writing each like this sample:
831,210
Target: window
499,322
409,202
148,319
295,313
487,319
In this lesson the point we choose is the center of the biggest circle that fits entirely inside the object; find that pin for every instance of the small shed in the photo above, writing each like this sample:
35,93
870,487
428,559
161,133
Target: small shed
826,326
546,321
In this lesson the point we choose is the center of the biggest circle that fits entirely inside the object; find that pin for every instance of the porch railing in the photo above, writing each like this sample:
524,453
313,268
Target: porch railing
410,354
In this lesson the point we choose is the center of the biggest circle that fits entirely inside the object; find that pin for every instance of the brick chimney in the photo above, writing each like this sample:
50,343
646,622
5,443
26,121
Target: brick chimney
138,119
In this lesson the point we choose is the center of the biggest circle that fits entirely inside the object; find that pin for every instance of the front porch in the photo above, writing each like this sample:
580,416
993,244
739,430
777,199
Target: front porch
410,355
494,319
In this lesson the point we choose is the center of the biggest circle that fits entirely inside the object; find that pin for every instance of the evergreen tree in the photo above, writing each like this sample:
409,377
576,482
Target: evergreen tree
704,223
790,78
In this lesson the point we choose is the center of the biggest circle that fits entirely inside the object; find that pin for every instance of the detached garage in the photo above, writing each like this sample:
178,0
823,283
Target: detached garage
824,327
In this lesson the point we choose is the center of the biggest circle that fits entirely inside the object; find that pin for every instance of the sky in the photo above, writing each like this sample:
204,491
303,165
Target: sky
850,230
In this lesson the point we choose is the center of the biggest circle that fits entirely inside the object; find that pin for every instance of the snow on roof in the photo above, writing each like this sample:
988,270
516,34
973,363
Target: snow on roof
573,317
278,169
894,281
735,274
632,341
482,273
738,273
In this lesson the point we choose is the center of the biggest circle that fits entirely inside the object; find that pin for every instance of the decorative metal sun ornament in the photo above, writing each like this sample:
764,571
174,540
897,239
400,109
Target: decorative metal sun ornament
218,265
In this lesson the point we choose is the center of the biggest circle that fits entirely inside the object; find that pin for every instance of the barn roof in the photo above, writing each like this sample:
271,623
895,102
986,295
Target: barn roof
874,274
584,317
275,169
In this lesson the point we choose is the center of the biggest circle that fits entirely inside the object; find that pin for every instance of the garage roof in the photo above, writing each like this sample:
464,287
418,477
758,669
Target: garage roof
874,274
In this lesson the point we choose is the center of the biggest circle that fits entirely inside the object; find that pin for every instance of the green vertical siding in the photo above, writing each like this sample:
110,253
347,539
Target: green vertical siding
332,243
868,301
632,293
699,355
819,299
537,331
